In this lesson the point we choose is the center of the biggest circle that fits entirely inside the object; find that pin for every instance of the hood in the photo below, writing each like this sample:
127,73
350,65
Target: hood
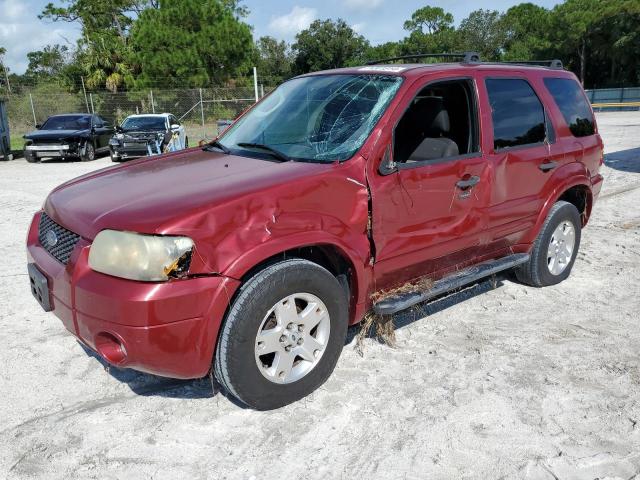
56,134
152,194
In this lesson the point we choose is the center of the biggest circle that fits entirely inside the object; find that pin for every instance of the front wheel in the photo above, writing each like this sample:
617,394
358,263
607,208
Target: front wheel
88,152
30,157
283,334
555,248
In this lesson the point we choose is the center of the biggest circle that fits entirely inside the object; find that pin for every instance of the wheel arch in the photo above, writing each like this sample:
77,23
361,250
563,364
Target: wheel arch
343,262
575,190
581,196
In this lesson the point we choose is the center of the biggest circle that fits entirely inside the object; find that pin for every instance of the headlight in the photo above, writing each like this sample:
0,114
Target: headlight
147,258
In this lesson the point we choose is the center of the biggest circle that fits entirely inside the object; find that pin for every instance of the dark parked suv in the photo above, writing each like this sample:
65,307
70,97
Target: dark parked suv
252,255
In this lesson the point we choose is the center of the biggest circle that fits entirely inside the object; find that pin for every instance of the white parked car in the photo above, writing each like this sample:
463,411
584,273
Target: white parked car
147,134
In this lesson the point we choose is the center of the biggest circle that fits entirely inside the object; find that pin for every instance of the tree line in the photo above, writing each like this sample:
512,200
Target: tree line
129,45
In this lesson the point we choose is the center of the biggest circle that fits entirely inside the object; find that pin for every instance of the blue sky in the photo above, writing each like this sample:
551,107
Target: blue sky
379,20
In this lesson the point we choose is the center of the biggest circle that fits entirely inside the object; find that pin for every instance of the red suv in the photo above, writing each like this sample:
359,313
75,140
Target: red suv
253,255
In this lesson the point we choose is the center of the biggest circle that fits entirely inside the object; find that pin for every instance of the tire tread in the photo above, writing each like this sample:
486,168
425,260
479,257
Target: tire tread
529,273
246,294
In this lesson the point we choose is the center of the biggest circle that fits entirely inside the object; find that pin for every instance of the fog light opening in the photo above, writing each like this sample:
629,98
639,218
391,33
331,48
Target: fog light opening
111,348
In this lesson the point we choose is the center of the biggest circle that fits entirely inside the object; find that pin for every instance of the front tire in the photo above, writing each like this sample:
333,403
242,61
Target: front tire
30,157
283,334
555,248
88,153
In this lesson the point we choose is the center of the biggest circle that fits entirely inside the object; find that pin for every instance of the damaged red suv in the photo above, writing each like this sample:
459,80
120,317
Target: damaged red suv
253,255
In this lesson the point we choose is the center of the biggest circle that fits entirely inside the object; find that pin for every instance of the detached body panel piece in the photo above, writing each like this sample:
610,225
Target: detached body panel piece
252,255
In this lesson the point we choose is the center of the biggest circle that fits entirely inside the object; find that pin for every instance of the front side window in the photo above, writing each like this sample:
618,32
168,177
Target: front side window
439,123
317,118
572,103
518,115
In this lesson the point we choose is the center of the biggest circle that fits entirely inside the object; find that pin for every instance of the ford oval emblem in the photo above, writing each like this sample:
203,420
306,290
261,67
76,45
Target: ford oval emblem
51,238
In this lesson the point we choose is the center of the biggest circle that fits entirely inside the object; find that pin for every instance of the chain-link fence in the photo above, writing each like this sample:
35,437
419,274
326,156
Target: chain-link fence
198,109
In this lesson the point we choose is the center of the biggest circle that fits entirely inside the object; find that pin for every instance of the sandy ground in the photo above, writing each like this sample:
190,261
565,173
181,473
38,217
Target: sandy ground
514,382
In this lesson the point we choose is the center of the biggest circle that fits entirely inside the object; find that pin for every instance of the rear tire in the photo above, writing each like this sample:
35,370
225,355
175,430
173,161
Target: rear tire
251,356
555,248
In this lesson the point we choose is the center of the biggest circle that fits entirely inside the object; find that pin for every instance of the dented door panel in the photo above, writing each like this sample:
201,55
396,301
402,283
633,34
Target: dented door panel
421,218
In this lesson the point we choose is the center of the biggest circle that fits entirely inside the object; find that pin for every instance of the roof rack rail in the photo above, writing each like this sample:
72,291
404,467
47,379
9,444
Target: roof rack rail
555,63
472,57
467,57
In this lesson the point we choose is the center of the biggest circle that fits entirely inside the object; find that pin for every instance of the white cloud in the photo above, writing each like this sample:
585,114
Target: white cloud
21,32
293,22
358,27
12,10
363,4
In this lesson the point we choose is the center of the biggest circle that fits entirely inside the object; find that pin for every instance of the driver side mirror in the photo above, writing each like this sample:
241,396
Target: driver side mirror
175,126
387,165
38,126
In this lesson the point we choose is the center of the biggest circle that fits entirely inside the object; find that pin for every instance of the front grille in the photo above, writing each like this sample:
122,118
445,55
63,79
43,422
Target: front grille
48,142
55,239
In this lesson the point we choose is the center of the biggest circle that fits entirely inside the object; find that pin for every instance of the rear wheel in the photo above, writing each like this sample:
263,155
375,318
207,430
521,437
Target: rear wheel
283,334
555,249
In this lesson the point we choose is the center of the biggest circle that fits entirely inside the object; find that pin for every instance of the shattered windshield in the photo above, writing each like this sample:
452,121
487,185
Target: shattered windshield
317,118
131,124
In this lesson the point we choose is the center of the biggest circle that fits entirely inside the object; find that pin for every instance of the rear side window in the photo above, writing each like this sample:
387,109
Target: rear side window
518,115
573,105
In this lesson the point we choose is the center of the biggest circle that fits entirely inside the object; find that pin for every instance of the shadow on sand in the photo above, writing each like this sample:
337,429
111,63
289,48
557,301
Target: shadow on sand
624,160
144,384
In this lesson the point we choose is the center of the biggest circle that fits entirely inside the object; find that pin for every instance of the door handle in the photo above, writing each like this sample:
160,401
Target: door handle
468,183
547,166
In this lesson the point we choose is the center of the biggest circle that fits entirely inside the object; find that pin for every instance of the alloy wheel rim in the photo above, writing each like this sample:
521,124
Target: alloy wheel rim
292,338
561,248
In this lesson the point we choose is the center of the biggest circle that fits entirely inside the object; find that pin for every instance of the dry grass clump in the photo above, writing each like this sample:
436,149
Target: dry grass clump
418,285
382,325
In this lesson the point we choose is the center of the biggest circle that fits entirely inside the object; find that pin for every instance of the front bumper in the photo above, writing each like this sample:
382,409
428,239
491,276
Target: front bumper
133,148
167,328
46,151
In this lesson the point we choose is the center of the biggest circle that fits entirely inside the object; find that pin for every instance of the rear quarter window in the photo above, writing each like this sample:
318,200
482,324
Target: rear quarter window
572,102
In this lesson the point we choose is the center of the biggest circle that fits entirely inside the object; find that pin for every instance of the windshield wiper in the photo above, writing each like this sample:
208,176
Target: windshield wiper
217,145
276,153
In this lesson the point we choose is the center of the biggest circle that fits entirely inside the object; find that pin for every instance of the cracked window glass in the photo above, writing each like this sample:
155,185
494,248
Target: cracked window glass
317,118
